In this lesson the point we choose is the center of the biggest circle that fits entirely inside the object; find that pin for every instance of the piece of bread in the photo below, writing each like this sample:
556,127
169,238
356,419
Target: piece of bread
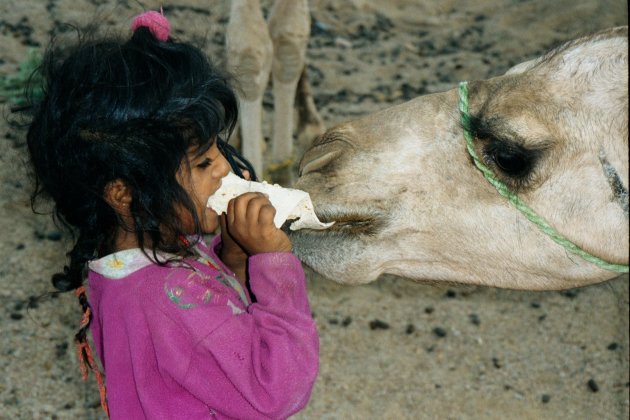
289,203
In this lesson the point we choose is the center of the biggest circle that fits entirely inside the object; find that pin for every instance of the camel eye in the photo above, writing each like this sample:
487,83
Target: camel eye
511,159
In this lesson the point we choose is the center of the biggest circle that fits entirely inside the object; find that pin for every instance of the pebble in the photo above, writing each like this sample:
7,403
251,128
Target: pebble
428,310
613,346
61,349
410,329
346,321
592,385
16,316
377,324
474,319
545,398
571,293
343,42
54,236
439,332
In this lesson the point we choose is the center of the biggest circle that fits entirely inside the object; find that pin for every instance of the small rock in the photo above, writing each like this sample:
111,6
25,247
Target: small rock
346,321
592,385
439,332
343,42
613,346
16,316
61,349
410,329
428,310
571,293
545,398
377,324
54,236
450,293
474,319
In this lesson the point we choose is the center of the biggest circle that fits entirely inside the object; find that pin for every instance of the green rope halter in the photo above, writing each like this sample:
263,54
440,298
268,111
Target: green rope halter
513,198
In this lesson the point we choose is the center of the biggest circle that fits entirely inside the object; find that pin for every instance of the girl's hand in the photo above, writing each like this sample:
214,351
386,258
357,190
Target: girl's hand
231,253
249,223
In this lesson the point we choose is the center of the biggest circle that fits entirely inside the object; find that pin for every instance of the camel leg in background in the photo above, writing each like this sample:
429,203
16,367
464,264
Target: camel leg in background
249,54
289,27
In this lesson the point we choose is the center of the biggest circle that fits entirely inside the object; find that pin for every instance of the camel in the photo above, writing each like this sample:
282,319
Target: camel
254,49
409,200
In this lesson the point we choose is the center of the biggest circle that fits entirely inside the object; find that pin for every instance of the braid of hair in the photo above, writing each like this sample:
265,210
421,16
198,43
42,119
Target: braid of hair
72,278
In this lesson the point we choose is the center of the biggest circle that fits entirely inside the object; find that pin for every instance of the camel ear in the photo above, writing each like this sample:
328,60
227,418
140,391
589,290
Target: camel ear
118,195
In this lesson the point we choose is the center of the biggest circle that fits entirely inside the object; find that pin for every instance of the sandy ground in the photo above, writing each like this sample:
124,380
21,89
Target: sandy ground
392,349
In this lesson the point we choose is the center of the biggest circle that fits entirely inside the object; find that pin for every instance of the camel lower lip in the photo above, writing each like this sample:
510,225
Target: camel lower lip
349,223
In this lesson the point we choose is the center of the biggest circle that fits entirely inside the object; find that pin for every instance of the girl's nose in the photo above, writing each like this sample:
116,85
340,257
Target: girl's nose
222,167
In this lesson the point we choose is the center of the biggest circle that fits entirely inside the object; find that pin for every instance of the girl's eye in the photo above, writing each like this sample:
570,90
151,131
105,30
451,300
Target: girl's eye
205,163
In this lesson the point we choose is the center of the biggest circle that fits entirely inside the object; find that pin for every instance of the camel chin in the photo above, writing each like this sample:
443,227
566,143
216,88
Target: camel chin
408,199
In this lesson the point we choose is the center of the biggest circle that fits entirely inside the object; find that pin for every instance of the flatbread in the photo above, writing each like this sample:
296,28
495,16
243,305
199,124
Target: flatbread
289,203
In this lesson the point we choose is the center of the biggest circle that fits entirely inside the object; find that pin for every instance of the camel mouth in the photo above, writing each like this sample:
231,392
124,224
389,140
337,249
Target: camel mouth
348,223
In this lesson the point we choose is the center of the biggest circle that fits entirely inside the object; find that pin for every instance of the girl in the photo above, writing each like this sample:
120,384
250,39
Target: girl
126,143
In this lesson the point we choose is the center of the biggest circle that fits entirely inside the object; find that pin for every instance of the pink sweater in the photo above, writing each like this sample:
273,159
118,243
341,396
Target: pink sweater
182,343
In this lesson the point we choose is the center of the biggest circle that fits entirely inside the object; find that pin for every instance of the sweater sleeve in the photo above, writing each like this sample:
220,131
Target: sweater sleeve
261,363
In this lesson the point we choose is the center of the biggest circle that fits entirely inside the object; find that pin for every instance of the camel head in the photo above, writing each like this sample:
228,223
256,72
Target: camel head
408,199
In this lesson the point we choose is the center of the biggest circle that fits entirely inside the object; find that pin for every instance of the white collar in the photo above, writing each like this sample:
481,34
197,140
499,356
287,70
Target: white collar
122,263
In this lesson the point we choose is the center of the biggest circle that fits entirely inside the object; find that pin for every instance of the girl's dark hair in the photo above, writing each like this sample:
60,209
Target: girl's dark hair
126,110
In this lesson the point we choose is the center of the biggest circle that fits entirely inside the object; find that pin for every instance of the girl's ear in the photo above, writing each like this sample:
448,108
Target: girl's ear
118,195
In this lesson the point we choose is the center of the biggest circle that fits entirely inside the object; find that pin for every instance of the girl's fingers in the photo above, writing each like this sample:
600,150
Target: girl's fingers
244,210
240,204
253,210
266,214
230,213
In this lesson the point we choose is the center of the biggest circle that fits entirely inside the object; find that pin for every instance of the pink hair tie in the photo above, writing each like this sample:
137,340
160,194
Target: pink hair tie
156,22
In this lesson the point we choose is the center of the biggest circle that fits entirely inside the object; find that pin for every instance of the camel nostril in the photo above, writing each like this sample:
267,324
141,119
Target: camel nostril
311,164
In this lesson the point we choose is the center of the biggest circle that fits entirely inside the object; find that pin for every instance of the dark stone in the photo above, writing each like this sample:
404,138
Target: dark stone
410,329
439,332
474,319
450,293
571,293
428,310
16,316
61,349
592,385
377,324
346,321
545,398
613,346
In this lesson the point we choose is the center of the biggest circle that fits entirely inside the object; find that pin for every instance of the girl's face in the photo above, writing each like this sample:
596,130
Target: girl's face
203,180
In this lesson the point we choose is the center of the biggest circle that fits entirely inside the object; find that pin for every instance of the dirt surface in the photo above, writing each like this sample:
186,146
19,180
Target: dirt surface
391,349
